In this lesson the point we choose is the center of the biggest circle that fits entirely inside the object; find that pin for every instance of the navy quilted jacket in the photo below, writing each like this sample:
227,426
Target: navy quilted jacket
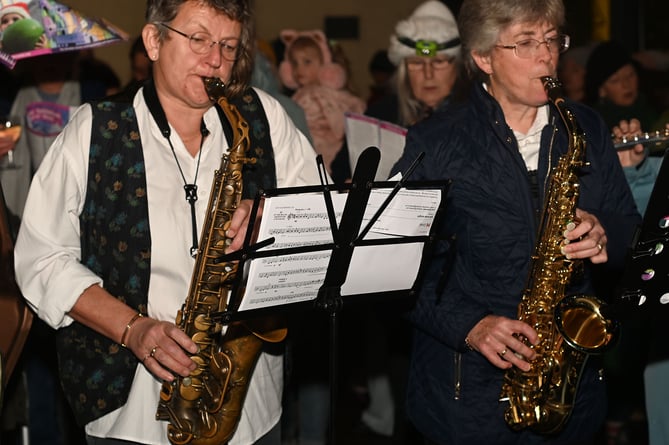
453,393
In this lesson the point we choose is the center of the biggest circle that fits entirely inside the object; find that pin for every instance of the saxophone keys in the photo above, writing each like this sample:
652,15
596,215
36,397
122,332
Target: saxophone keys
202,340
199,361
192,391
648,274
229,190
664,223
201,323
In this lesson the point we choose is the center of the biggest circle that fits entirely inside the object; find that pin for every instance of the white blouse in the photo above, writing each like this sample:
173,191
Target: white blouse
51,277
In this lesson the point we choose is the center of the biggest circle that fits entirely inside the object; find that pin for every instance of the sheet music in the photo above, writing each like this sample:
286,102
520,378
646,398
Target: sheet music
365,131
301,220
386,268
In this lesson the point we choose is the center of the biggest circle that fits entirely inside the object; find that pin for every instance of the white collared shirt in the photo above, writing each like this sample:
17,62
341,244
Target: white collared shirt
51,277
530,142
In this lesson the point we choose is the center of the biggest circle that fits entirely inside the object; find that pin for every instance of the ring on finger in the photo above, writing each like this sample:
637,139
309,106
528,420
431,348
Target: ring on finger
501,354
153,351
599,246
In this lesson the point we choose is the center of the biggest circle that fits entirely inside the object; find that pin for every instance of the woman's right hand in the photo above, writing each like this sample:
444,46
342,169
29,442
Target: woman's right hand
497,338
162,347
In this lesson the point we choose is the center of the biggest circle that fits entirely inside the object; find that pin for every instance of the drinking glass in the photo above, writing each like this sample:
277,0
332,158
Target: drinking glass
10,126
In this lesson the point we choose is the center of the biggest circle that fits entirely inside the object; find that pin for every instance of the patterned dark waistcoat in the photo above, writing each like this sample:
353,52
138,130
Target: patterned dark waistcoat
96,373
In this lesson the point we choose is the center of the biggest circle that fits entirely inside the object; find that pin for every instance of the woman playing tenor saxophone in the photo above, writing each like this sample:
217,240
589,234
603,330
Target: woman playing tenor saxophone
500,144
104,254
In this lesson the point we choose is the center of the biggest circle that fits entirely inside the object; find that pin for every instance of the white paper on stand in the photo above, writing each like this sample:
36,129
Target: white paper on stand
365,131
301,220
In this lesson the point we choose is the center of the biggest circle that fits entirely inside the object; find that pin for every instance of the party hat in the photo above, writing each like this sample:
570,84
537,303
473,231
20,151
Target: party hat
36,27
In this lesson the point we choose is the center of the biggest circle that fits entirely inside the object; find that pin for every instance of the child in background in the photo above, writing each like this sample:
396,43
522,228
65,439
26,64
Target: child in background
12,13
319,85
320,89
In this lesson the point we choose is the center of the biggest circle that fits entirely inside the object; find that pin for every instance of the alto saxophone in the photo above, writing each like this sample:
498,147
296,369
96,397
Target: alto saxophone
570,328
205,407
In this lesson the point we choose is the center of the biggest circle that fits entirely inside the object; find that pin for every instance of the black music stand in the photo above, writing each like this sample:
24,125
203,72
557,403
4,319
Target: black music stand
348,236
645,282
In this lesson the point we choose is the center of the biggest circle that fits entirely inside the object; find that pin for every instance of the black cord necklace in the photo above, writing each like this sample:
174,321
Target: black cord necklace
151,98
191,189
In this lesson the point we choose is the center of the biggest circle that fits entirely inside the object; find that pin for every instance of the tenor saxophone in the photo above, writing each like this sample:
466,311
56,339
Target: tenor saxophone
205,407
570,328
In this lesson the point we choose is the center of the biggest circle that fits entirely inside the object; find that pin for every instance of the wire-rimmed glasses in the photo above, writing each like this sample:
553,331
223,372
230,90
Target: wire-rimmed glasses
527,48
202,43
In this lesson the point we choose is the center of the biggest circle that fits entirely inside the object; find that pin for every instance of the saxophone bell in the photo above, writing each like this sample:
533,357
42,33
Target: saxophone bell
584,327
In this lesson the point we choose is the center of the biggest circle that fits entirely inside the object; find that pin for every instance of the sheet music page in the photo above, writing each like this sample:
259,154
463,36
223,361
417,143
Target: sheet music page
365,131
385,268
392,139
301,220
361,132
294,221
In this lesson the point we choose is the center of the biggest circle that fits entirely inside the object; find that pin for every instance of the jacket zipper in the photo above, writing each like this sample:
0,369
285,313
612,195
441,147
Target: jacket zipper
457,384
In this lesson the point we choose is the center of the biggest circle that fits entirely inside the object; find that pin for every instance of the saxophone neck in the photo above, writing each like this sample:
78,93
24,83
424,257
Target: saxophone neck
556,96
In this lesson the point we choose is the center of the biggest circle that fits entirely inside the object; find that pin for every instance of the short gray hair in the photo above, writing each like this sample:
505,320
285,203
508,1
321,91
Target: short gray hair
164,11
481,21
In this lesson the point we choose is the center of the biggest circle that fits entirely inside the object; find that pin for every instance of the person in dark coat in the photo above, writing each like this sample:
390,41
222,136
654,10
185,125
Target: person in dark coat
612,87
498,145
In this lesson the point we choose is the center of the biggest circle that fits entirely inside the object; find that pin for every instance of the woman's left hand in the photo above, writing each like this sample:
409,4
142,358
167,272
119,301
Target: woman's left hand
587,239
239,224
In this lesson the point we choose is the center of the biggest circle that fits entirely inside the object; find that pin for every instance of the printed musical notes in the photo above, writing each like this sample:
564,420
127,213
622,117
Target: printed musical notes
300,220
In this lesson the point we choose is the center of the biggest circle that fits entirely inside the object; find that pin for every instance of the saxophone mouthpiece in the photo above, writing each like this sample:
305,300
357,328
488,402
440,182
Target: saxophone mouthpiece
553,88
215,88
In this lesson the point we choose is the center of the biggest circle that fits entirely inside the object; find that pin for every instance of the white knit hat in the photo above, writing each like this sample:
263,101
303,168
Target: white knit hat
20,8
430,30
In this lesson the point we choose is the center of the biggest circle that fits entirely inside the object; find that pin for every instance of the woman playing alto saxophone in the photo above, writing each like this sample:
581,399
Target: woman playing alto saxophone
498,145
104,253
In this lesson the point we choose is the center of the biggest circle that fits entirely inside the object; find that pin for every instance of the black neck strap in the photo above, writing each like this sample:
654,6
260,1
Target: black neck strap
156,110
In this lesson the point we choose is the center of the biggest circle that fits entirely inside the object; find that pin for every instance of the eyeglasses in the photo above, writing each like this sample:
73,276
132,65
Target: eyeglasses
202,43
527,49
436,63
